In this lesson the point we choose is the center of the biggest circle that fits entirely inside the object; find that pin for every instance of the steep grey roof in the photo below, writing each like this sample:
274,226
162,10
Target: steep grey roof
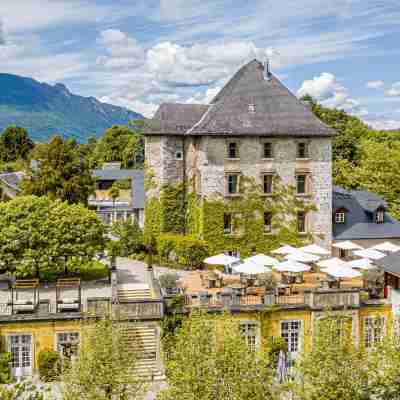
13,179
359,223
390,263
137,177
277,112
175,118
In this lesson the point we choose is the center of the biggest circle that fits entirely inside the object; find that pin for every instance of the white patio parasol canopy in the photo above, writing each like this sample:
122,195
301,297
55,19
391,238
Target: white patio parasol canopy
369,253
341,271
292,266
331,262
262,259
315,249
362,263
347,245
221,259
387,247
251,268
302,257
286,249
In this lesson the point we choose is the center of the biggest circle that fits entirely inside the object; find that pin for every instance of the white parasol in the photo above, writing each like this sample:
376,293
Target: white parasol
302,257
286,249
347,245
341,271
221,259
331,262
292,266
315,249
362,263
387,247
251,268
262,259
368,253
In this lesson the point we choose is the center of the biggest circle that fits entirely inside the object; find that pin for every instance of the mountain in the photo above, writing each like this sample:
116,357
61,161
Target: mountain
45,110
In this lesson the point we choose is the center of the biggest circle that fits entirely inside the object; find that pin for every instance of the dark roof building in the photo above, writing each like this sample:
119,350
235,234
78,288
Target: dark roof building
359,215
250,104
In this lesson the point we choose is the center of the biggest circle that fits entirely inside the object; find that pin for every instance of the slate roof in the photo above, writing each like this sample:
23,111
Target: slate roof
137,177
13,179
360,207
277,112
390,263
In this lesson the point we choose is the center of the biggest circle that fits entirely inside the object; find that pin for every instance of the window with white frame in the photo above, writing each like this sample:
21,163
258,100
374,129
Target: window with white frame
67,344
251,333
301,184
340,217
290,332
374,330
20,347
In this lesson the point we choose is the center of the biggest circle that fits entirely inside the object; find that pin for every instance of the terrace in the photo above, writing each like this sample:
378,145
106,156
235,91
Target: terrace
129,290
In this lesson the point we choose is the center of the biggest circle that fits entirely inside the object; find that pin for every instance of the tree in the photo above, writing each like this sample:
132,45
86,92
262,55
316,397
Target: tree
130,236
104,368
15,144
334,368
62,172
23,391
40,236
120,143
211,360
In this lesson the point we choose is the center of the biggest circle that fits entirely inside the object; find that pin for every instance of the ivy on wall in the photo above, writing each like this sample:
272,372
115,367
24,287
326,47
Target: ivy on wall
178,212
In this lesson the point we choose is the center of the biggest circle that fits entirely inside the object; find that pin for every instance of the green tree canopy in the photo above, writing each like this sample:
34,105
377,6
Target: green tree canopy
119,143
62,172
40,237
15,144
104,368
209,359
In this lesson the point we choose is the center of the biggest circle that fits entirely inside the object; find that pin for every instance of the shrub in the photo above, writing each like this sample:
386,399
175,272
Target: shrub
49,365
185,250
5,373
130,236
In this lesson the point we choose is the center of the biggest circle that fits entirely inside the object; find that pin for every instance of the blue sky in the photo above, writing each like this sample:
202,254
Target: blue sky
139,53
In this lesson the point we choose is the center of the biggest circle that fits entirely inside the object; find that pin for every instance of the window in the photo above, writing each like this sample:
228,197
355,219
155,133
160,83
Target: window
301,222
252,108
342,254
227,223
380,216
302,150
20,347
267,221
340,217
301,184
233,183
268,150
250,332
374,328
233,150
290,331
67,344
267,183
234,253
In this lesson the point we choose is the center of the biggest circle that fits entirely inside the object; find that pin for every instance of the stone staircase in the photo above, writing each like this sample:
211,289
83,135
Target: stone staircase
132,292
145,339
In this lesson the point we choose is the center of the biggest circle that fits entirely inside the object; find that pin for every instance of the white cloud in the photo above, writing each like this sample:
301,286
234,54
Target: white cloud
2,39
122,51
330,93
204,98
394,91
388,124
375,84
146,109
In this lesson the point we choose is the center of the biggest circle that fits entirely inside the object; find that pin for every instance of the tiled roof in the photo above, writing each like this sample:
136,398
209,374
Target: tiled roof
360,207
249,104
390,263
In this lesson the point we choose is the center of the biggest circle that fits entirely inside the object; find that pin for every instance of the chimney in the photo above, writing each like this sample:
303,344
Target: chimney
267,71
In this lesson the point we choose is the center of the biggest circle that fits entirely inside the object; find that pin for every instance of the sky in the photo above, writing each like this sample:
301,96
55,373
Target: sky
140,53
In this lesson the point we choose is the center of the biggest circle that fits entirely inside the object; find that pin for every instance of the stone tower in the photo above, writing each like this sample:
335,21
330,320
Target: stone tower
255,127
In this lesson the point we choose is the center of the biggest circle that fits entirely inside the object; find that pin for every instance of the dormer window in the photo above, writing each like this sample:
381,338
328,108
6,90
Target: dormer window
252,108
340,217
380,216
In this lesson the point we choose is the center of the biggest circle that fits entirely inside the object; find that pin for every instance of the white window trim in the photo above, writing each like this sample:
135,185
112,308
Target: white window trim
301,335
61,332
8,345
384,328
340,217
258,331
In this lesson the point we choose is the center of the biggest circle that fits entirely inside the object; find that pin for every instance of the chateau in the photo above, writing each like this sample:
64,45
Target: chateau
254,128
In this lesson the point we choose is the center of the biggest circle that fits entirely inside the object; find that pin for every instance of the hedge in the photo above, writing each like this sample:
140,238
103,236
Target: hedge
185,250
49,365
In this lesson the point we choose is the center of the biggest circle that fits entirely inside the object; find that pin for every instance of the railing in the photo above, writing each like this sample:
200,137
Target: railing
290,300
140,309
333,298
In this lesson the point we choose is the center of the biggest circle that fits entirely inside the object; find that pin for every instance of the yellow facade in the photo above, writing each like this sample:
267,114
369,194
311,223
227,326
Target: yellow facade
44,333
